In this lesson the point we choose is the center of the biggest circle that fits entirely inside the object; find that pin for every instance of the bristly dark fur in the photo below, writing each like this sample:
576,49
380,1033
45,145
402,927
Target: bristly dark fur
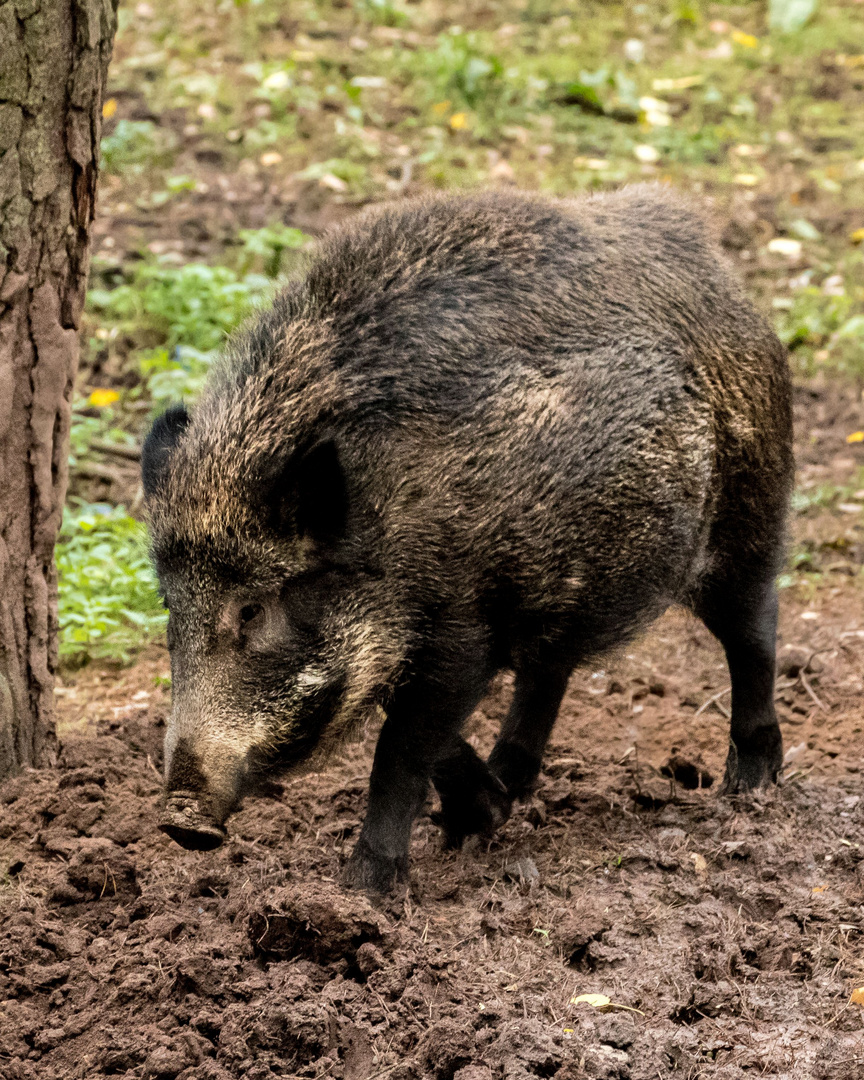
535,425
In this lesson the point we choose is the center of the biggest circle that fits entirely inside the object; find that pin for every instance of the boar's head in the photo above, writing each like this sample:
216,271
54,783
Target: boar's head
278,639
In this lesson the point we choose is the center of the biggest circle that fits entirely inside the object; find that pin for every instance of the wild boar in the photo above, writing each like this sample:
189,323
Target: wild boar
481,432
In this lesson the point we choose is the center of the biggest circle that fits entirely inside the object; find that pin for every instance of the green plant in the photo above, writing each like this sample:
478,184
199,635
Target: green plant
459,69
269,245
108,604
133,145
86,428
384,12
193,305
170,377
831,323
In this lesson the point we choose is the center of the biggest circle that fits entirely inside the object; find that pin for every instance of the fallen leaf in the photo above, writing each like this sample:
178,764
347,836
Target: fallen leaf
857,996
109,108
646,154
501,170
277,80
440,107
747,41
785,245
856,436
596,1001
684,83
270,158
857,237
746,179
99,399
787,16
602,1003
459,121
652,104
820,888
334,183
699,864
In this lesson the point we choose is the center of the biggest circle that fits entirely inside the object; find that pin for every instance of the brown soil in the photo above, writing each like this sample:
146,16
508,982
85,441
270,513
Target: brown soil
731,930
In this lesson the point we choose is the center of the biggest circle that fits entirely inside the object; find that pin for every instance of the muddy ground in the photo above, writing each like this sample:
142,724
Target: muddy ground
727,933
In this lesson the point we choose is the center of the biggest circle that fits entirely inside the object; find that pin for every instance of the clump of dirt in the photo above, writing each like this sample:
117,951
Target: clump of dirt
315,922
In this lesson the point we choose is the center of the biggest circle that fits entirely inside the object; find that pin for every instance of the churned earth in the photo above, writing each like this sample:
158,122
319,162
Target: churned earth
727,934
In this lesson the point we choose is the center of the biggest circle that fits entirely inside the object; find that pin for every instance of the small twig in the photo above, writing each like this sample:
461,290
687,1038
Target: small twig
132,453
837,1016
715,700
810,690
384,1072
96,471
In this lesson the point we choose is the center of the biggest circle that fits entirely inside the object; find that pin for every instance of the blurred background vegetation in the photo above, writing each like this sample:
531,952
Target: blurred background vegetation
237,130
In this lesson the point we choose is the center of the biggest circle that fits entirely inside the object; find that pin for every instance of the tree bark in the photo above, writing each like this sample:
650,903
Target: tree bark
53,61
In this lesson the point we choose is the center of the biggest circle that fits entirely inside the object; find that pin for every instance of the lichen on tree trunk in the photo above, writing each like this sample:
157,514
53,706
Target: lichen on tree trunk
53,63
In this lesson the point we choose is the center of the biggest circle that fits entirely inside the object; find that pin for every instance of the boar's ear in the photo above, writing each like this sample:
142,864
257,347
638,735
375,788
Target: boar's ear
322,495
159,444
311,495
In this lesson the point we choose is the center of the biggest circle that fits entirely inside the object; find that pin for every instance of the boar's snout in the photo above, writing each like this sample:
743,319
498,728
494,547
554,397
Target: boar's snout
184,821
201,789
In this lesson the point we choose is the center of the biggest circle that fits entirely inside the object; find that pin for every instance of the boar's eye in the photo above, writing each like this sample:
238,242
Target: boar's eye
262,627
249,613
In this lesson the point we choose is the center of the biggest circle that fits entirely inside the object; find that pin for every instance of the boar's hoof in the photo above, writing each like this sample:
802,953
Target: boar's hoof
473,812
754,762
184,822
369,871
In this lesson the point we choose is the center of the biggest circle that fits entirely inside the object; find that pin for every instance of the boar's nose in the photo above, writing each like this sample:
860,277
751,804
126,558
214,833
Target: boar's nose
184,821
188,814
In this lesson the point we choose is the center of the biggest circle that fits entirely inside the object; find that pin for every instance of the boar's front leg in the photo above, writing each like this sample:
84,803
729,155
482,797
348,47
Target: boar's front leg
397,790
476,797
422,728
473,800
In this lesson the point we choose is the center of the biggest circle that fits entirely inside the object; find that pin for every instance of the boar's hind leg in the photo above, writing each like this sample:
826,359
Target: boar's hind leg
473,800
517,755
744,619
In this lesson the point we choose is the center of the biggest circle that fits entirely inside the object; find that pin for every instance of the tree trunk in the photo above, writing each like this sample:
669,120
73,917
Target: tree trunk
53,60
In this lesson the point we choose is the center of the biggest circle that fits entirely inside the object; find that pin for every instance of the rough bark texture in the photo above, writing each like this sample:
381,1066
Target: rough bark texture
53,60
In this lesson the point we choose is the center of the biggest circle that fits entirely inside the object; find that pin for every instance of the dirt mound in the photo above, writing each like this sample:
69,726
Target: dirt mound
315,922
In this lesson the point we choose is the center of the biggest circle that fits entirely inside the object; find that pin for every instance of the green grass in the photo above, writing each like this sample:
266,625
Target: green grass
193,305
822,322
108,604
